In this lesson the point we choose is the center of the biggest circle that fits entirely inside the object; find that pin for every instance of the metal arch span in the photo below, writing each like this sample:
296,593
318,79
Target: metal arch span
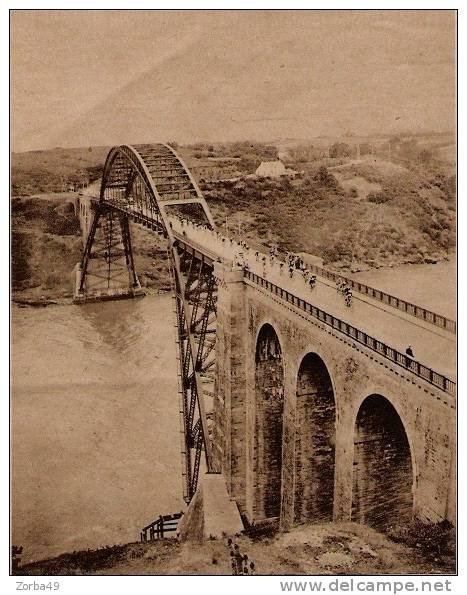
154,181
150,184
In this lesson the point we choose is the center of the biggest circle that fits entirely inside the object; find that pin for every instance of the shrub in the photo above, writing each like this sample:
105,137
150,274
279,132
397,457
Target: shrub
433,539
378,198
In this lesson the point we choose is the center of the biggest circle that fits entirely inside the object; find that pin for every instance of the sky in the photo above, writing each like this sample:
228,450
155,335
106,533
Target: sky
82,78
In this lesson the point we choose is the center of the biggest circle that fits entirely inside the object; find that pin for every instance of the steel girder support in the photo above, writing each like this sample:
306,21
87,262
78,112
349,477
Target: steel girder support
108,263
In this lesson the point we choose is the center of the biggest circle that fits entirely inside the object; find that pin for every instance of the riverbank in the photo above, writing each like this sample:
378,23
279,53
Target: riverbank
323,549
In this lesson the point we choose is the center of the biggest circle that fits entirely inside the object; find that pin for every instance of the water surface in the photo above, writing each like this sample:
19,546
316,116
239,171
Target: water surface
432,286
95,431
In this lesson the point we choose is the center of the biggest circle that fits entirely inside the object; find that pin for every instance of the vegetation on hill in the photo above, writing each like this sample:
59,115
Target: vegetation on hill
353,213
55,170
411,220
45,246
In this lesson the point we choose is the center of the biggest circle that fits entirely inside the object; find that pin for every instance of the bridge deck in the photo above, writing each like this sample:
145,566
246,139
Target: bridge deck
433,346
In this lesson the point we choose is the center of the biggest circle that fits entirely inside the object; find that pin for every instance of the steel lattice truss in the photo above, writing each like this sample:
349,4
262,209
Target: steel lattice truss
149,184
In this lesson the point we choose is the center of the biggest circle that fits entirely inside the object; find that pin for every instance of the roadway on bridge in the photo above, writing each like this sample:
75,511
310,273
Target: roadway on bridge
432,346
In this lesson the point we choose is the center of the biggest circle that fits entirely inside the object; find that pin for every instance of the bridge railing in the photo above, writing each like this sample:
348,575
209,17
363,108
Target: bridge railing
388,299
160,527
406,362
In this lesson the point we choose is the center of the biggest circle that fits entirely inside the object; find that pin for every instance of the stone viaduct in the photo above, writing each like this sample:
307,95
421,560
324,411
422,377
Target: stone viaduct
311,425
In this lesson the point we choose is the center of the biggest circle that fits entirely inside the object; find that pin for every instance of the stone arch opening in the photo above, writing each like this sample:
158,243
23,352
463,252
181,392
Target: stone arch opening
269,391
315,442
382,469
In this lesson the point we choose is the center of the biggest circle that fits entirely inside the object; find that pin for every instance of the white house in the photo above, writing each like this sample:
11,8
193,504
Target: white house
271,169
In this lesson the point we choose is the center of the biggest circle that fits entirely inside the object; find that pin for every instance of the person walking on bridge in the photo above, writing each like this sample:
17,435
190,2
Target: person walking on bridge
409,357
409,351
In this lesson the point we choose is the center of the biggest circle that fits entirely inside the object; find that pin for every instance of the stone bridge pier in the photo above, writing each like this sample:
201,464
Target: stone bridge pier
311,426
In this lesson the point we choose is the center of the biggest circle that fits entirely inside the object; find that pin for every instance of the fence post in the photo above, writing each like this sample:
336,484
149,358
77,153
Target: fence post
161,524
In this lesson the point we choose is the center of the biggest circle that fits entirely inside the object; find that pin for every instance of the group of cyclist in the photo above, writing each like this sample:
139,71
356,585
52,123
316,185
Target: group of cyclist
344,288
294,263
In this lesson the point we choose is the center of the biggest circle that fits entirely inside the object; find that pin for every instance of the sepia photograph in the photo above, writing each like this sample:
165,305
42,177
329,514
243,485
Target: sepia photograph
233,293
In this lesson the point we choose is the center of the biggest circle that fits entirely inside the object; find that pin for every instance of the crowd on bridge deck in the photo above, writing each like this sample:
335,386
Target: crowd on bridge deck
242,256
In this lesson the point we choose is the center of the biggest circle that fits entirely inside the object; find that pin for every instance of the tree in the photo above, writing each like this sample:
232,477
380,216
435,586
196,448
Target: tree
324,178
340,150
425,156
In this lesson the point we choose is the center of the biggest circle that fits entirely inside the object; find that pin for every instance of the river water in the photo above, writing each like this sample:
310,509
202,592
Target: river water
95,430
432,286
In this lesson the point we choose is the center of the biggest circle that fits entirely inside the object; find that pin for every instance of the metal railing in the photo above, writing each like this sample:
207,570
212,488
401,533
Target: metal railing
427,374
158,528
386,298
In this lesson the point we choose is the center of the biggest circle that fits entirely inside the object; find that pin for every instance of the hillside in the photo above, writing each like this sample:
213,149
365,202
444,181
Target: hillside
55,170
363,216
354,213
46,245
328,549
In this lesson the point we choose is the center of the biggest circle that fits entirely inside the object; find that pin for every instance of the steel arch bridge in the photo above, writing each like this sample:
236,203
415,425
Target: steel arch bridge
150,184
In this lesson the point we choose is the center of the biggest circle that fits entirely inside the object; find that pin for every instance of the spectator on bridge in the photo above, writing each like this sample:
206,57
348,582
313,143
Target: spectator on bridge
347,296
409,359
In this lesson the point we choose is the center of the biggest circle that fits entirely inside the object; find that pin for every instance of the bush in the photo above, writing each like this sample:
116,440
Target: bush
340,150
433,539
324,178
257,532
378,198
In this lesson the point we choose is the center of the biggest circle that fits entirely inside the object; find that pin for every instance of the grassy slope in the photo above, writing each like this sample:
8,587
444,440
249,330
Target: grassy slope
345,548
